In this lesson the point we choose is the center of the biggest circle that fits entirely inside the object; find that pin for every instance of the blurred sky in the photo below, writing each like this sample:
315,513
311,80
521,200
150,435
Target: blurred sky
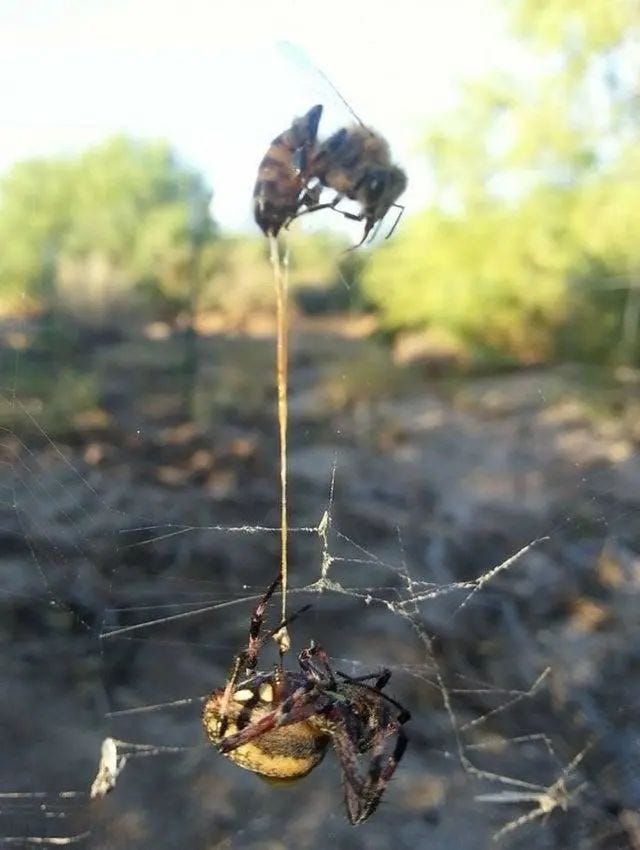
209,76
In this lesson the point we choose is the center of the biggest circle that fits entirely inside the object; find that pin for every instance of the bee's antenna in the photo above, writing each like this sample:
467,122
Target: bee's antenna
299,56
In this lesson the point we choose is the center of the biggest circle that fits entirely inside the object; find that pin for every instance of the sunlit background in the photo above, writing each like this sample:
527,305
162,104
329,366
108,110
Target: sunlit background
517,125
215,82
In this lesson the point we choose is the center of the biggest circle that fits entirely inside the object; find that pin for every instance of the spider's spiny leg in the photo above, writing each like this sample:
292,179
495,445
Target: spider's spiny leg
248,657
314,662
374,787
287,621
396,756
381,678
232,681
255,627
403,713
302,704
363,796
353,784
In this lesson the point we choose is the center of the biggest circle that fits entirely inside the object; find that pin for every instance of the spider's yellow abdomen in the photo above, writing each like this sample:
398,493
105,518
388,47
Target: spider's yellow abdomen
287,753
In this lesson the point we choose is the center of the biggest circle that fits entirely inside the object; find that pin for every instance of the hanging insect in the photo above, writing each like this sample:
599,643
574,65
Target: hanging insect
355,162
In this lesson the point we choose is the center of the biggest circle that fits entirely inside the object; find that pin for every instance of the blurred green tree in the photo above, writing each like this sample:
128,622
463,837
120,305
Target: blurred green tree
124,221
529,249
238,279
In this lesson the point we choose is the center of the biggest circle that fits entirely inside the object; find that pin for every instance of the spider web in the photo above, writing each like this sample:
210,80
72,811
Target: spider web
508,629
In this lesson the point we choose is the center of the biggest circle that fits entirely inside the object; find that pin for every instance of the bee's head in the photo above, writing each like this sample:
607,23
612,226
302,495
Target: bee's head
380,189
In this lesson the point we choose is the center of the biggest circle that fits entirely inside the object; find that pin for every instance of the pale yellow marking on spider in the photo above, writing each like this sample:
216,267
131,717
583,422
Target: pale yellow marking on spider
266,692
243,695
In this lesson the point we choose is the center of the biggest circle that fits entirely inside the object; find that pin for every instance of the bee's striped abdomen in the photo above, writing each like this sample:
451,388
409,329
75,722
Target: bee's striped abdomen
282,173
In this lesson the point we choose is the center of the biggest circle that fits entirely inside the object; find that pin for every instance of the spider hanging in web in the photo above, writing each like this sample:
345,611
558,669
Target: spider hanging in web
280,724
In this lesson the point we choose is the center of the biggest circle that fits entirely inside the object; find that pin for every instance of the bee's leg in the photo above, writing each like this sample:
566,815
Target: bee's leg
351,216
332,205
367,228
310,195
314,207
395,223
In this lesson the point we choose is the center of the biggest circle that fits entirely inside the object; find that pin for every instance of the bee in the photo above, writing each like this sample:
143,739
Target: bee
355,162
282,188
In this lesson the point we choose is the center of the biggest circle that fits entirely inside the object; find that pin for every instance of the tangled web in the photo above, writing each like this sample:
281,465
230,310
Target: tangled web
121,622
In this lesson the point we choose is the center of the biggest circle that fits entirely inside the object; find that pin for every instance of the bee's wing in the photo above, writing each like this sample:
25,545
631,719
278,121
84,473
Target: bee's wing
331,147
300,59
309,123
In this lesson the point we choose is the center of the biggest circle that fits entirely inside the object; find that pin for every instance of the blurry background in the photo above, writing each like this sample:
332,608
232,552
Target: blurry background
473,381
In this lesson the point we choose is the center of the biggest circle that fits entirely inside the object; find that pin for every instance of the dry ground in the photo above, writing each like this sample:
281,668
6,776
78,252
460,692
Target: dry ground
452,477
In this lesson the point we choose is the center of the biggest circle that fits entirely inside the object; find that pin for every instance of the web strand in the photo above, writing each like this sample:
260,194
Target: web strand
281,280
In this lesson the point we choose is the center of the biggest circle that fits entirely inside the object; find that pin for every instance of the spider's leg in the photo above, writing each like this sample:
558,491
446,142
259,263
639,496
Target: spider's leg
255,626
362,796
381,678
300,705
248,657
314,662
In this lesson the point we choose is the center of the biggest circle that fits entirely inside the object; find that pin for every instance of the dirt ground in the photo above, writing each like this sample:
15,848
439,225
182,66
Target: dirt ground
125,595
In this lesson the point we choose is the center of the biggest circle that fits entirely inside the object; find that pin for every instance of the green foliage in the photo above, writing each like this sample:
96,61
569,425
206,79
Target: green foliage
34,217
577,25
58,395
88,231
530,249
239,279
360,378
496,281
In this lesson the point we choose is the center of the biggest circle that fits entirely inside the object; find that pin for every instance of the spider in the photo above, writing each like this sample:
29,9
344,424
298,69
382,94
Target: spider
280,724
